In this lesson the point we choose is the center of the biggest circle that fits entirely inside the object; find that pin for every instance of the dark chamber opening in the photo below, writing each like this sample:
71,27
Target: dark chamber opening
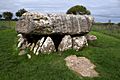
57,38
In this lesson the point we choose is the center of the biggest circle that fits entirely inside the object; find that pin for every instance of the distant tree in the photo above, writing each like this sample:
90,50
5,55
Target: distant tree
15,19
8,15
78,9
0,16
118,24
20,12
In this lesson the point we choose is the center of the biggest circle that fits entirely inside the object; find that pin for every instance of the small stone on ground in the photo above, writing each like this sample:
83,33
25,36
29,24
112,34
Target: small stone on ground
91,37
81,65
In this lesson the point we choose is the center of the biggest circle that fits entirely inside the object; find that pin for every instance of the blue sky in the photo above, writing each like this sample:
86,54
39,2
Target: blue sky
102,10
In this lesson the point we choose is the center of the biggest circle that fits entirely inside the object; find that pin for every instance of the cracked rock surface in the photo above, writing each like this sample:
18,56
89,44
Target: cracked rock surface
79,42
66,43
81,65
46,23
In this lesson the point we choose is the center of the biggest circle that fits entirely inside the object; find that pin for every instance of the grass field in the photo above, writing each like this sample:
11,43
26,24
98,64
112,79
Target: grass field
7,25
112,30
104,53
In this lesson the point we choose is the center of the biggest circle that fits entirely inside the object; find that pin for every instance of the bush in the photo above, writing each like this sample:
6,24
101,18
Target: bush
104,24
15,19
78,9
8,15
20,12
118,24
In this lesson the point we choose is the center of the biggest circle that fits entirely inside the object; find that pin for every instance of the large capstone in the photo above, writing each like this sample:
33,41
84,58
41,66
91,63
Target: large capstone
46,24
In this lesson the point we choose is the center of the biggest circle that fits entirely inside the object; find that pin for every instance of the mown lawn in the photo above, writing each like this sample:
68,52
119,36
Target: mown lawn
104,53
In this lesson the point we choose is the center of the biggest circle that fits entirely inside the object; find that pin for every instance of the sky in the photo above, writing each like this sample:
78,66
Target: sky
102,10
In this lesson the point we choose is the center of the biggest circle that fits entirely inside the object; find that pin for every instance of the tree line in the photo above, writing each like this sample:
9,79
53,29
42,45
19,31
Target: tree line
9,15
76,10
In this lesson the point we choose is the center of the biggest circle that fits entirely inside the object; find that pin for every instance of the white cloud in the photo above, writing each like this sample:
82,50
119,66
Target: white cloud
108,7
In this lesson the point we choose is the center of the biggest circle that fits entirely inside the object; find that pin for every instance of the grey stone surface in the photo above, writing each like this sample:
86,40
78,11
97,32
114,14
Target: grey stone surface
22,52
79,42
35,48
32,46
81,65
21,40
48,46
65,44
40,45
91,37
39,23
22,44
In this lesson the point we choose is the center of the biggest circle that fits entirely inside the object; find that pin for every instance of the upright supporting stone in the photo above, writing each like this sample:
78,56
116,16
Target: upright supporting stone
20,40
79,42
36,47
28,45
19,35
65,44
21,44
40,45
48,46
32,46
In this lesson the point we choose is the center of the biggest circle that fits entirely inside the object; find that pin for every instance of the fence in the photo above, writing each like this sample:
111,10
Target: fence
109,29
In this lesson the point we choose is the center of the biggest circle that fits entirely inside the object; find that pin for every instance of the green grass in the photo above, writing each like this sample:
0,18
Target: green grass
111,30
7,24
104,53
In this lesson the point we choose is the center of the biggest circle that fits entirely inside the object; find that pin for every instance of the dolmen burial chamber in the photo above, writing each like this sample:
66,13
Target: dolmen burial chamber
46,33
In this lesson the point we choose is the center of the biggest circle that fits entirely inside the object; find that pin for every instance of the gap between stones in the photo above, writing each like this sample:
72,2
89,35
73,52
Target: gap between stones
57,38
50,43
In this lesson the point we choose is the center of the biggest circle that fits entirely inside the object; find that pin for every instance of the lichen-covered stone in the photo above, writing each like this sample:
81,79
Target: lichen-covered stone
20,40
81,65
40,45
32,46
35,48
22,52
79,42
48,46
65,44
39,23
91,37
